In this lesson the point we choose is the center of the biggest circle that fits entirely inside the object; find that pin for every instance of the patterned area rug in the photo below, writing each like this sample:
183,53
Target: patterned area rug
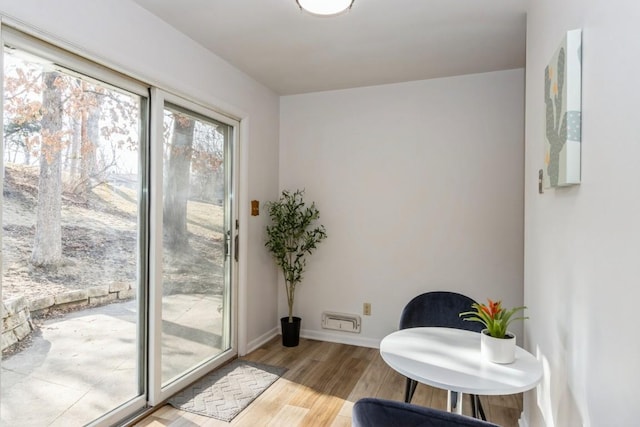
225,392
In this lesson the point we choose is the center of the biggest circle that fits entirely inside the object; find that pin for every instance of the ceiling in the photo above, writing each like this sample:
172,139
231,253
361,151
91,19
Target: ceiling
377,42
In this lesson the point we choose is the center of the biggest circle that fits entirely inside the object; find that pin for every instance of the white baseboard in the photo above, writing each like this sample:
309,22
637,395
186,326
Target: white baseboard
342,338
261,340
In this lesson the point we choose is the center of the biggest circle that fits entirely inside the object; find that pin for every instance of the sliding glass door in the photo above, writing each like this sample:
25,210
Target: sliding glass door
118,240
195,240
73,219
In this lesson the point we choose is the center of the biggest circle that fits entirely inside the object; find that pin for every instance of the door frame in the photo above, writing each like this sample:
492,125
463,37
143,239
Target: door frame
76,59
26,39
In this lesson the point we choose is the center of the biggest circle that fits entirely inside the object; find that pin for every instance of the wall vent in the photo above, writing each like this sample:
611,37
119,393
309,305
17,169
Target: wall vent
341,322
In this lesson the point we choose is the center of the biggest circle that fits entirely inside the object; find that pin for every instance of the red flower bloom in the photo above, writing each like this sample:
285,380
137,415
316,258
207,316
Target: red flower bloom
495,318
494,308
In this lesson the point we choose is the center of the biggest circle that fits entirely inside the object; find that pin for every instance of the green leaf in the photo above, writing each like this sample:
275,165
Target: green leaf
291,236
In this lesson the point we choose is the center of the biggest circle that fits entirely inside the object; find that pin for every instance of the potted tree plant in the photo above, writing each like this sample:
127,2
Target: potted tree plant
290,238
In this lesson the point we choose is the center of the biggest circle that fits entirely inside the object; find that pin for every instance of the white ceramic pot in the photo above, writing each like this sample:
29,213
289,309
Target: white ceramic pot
498,350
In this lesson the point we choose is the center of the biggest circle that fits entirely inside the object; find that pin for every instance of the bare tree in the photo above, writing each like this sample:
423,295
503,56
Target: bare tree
207,159
47,247
72,154
22,112
90,137
177,183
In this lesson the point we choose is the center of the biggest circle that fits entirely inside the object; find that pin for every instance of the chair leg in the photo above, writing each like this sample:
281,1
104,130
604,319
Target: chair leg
474,407
454,399
409,389
480,409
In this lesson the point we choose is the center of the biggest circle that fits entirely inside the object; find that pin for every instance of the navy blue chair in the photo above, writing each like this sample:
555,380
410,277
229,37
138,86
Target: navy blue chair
371,412
441,309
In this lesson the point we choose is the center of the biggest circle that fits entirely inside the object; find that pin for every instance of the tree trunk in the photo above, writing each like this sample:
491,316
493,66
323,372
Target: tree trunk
89,137
27,151
89,142
74,149
177,183
47,247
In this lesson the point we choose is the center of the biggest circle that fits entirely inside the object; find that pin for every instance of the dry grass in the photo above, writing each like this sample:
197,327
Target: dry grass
100,241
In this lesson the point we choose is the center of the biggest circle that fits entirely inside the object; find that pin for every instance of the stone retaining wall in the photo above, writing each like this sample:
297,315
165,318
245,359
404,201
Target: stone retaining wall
16,321
17,313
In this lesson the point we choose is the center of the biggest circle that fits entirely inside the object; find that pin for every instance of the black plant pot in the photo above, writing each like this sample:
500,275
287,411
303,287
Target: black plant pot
290,331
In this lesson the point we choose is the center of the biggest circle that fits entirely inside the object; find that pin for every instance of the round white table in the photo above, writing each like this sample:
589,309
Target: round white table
450,359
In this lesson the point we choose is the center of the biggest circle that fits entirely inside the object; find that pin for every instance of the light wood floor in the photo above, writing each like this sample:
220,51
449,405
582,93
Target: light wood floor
322,383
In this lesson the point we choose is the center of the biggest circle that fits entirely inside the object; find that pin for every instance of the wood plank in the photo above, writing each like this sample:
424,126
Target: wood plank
342,421
347,408
322,383
391,386
423,395
265,407
503,410
439,399
153,421
369,382
289,416
324,411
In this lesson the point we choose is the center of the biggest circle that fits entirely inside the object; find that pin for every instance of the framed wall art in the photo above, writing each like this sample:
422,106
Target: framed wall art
563,113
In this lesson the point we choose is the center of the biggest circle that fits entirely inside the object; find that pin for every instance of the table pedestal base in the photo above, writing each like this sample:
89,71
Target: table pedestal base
458,408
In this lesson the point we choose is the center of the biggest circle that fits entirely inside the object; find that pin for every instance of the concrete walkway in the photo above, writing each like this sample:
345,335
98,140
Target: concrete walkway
84,364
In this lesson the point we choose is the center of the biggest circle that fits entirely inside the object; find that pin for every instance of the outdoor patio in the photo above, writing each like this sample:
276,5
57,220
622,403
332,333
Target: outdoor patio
83,364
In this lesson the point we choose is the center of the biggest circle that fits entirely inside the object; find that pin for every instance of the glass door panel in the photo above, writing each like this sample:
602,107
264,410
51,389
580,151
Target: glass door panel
71,221
196,241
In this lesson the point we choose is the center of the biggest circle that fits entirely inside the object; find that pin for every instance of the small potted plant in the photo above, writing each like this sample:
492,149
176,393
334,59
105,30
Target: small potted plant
290,238
497,343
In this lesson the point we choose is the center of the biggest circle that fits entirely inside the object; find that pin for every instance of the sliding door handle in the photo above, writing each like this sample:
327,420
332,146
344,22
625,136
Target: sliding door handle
236,247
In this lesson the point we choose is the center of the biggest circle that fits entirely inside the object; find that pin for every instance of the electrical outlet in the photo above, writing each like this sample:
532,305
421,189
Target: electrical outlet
366,309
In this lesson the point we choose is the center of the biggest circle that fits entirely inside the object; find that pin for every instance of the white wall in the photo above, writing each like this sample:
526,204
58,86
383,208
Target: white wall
582,244
126,37
420,188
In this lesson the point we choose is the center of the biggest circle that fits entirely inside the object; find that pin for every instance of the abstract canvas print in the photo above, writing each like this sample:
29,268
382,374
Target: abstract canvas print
563,119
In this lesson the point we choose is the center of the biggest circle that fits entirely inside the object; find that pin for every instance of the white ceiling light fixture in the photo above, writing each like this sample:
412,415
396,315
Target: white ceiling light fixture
325,7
